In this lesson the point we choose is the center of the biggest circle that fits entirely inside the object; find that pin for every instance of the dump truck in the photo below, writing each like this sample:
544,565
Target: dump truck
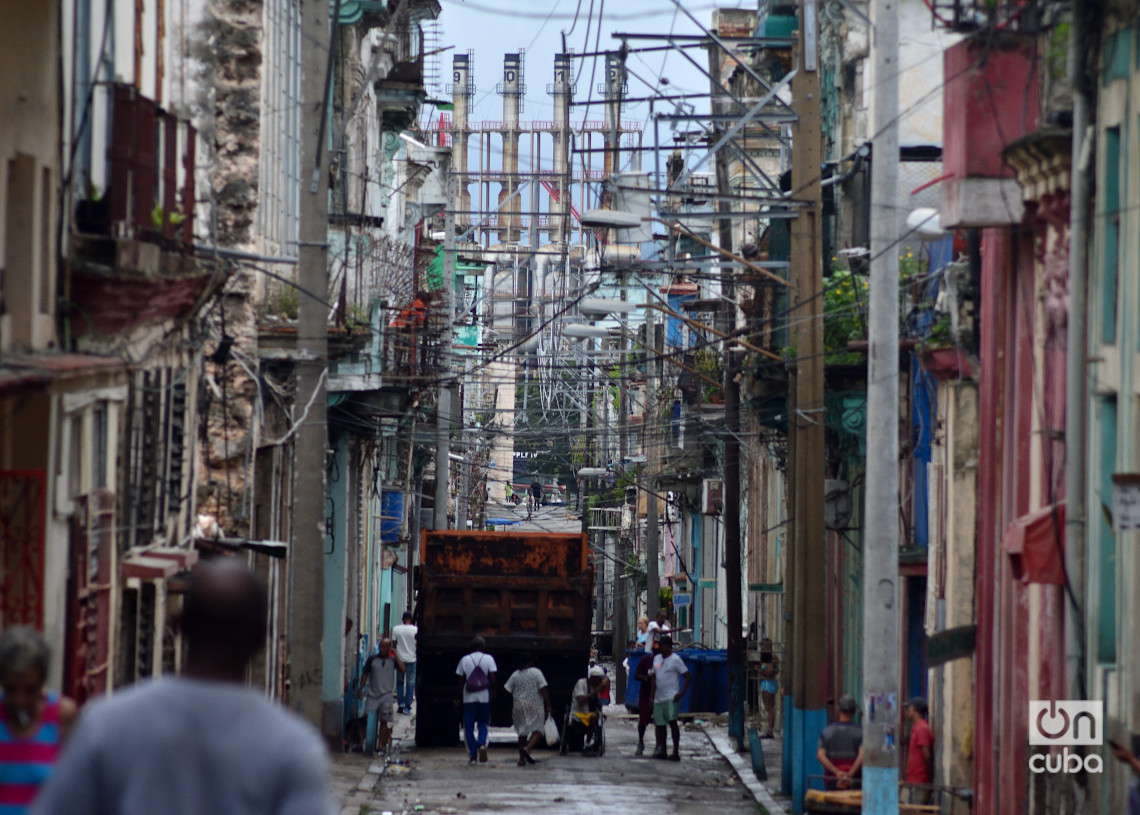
522,592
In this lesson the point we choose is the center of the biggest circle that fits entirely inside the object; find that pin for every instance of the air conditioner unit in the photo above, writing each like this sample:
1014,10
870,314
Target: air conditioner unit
712,496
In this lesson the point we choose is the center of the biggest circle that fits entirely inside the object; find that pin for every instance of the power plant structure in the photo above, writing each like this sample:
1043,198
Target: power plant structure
496,169
518,198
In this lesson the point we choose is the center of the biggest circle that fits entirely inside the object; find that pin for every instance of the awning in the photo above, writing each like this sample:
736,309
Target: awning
230,546
149,568
185,558
21,372
1035,544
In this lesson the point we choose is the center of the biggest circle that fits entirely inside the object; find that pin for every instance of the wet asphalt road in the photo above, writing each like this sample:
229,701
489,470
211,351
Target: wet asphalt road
441,782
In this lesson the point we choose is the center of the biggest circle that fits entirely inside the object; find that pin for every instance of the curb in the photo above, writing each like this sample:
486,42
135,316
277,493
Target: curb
743,770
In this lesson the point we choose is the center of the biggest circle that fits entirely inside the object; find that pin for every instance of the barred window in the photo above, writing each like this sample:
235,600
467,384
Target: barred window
279,167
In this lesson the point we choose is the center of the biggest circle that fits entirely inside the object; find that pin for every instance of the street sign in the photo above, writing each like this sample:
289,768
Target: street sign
680,600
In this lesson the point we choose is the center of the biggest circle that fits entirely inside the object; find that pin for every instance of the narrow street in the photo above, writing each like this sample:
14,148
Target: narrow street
441,781
800,332
546,518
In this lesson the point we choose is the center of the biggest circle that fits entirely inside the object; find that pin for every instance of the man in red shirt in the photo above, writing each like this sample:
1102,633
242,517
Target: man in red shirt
920,752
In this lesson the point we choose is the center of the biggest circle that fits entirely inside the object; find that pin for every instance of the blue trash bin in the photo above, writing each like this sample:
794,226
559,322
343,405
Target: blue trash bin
708,691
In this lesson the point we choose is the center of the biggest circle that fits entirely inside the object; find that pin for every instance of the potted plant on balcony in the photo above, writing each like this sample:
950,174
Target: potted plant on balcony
940,355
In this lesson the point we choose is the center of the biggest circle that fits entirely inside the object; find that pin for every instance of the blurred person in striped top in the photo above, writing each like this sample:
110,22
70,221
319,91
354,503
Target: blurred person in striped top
33,723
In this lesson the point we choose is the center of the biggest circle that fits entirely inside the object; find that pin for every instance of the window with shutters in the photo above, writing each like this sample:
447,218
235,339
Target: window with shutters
156,454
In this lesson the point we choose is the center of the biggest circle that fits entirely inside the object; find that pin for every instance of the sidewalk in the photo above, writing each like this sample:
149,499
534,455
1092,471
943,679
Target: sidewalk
354,776
766,793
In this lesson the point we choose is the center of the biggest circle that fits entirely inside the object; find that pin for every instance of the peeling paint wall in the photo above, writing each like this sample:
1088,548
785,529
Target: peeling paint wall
228,46
236,36
253,146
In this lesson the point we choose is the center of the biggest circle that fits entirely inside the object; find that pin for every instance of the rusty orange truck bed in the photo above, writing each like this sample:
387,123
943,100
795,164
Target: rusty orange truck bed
520,591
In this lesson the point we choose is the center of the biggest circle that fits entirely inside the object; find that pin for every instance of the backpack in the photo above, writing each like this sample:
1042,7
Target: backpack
477,680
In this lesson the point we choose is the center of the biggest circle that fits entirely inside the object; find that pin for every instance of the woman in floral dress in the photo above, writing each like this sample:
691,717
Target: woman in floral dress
527,686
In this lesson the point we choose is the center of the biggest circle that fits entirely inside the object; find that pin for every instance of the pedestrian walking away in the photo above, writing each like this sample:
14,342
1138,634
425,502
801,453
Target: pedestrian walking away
404,635
840,749
202,742
33,724
920,752
670,682
527,687
476,671
378,679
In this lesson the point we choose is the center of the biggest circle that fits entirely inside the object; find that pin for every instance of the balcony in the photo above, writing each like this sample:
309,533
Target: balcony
130,259
990,100
149,174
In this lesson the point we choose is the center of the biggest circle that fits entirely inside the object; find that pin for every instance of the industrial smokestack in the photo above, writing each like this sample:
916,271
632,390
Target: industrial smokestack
462,89
562,90
512,89
613,90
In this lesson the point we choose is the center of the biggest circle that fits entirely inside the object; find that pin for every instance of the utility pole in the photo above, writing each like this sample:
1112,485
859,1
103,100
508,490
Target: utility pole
654,334
881,519
306,558
446,398
1076,369
733,554
807,713
463,494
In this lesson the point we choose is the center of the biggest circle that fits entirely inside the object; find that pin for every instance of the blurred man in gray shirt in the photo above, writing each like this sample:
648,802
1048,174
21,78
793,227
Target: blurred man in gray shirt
202,742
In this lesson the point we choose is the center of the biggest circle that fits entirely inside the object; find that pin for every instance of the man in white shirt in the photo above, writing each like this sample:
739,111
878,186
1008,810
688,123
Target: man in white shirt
200,742
476,672
668,688
655,630
404,636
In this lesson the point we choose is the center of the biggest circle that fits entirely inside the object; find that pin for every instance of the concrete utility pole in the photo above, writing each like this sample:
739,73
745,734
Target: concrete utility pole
1076,369
654,334
806,715
446,399
881,719
306,560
